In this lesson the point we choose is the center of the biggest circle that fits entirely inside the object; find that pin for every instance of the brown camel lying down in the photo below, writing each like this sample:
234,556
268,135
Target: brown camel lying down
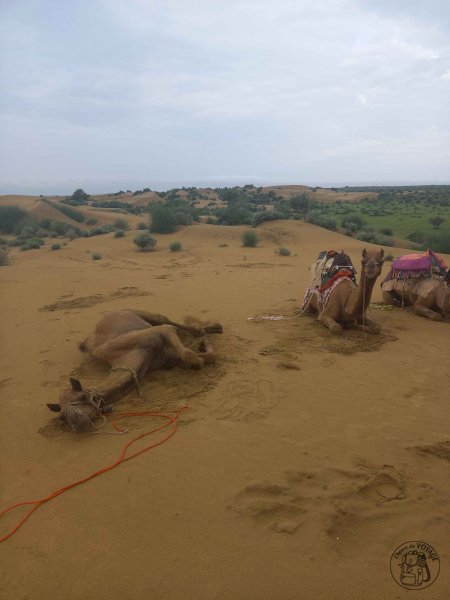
347,304
132,342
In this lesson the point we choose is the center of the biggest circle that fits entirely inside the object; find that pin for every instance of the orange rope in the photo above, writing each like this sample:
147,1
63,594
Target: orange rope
170,420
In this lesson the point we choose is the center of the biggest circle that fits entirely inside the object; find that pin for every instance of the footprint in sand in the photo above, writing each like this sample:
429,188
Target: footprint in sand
245,400
339,499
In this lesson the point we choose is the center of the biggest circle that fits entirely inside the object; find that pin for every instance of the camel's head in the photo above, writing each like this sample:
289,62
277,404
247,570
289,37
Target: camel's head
78,407
372,262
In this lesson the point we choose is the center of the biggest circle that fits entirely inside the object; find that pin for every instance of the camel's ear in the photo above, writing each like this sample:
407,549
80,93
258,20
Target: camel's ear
54,407
381,252
76,385
364,252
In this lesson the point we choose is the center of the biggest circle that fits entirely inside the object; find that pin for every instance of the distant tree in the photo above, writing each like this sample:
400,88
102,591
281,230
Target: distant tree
121,224
145,242
301,203
436,222
78,198
249,239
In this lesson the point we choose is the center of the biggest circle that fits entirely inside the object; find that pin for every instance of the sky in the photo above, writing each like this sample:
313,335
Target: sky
125,94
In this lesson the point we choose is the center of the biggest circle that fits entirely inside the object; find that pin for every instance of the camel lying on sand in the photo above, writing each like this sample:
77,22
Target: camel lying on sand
347,303
429,297
132,342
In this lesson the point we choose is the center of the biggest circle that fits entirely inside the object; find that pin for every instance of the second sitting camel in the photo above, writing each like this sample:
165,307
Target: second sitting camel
133,343
346,303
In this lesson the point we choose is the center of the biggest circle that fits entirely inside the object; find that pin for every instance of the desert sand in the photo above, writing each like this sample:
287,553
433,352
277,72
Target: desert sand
302,462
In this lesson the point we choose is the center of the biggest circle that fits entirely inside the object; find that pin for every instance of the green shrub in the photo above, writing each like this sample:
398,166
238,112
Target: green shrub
145,242
30,245
119,233
223,245
321,220
353,218
56,246
283,251
121,224
4,257
12,219
386,231
416,236
141,226
92,221
163,219
211,221
96,256
175,246
438,241
3,241
249,239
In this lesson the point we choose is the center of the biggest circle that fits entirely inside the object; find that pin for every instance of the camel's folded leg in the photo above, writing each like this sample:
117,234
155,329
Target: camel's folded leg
423,311
155,320
332,325
369,325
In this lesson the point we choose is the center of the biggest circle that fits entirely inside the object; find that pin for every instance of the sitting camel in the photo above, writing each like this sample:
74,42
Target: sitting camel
429,297
133,342
346,304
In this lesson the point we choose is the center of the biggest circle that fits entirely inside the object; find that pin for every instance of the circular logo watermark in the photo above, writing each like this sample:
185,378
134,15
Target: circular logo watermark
415,565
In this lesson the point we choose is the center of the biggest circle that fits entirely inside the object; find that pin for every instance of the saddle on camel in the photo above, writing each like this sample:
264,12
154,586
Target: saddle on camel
420,280
334,295
133,343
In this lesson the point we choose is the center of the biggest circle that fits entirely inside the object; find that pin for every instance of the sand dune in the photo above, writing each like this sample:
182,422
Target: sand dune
302,462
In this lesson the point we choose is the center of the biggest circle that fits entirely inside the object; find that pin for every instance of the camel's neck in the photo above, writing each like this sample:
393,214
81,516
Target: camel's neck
359,298
119,383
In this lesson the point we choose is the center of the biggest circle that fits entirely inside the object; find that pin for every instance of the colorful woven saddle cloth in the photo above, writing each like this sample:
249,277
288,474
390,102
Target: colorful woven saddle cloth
330,266
418,265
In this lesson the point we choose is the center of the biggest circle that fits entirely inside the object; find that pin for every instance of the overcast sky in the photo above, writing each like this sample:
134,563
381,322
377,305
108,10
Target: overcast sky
116,94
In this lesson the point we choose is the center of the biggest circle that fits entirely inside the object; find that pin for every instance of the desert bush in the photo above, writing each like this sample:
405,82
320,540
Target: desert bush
119,233
5,259
417,236
322,220
223,245
283,251
92,221
70,212
438,241
175,246
163,219
249,239
3,241
145,242
12,219
121,224
263,216
211,221
56,246
388,257
386,231
30,245
141,226
96,256
353,218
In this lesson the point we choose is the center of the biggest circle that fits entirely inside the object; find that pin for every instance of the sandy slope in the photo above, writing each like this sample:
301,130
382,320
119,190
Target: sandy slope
296,471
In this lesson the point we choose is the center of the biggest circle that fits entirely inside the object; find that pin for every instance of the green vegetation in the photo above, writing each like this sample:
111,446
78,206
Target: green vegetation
163,219
141,226
249,239
70,212
56,246
145,242
96,256
175,246
121,223
5,259
78,198
12,219
119,233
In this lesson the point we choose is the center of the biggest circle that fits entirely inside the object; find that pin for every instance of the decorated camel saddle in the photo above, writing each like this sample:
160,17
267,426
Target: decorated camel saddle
327,272
415,273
